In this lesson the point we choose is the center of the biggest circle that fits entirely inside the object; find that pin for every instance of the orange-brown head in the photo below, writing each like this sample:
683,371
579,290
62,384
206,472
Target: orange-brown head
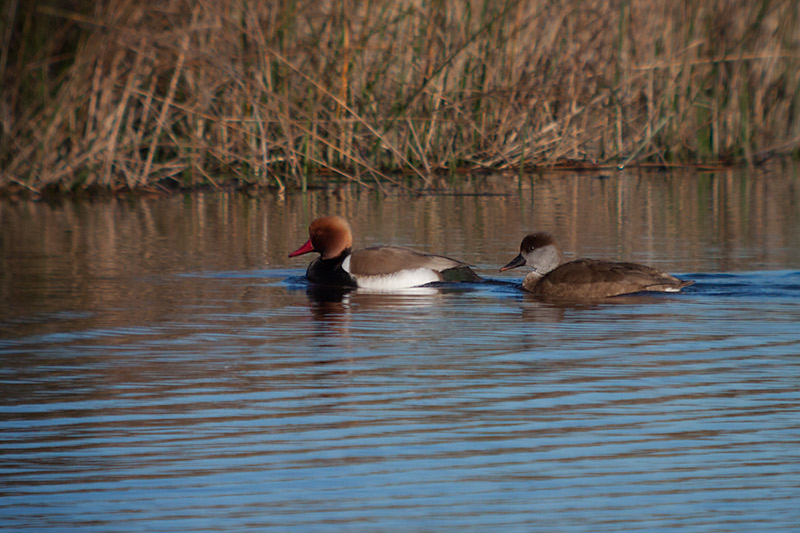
330,236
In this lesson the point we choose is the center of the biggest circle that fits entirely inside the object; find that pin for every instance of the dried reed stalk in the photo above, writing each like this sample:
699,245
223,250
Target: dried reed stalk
124,95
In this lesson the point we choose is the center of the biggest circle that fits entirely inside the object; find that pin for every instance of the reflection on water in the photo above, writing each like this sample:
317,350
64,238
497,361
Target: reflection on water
165,366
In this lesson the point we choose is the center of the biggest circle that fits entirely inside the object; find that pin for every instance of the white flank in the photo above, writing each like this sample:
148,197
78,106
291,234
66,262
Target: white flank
402,279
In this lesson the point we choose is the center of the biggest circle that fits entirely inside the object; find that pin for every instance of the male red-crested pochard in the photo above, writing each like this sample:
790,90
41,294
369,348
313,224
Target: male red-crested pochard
376,267
584,278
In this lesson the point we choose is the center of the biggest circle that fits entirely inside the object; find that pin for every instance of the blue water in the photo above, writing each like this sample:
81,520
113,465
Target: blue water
164,366
467,407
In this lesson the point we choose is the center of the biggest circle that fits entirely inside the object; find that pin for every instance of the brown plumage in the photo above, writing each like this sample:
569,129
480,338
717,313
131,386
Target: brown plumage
585,278
376,267
383,260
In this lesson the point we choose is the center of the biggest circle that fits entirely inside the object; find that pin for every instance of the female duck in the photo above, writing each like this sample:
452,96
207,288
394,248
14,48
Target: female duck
376,267
584,278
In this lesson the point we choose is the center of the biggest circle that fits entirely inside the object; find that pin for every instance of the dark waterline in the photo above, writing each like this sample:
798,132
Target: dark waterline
166,367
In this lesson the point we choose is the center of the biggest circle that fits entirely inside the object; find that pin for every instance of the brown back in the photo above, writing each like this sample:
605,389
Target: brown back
591,278
380,260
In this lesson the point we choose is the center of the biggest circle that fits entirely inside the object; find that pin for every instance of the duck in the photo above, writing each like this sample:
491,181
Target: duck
375,267
584,279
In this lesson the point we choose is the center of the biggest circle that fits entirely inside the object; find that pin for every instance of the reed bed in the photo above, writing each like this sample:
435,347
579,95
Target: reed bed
122,94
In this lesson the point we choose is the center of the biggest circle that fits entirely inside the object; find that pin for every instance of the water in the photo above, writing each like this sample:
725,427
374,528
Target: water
166,367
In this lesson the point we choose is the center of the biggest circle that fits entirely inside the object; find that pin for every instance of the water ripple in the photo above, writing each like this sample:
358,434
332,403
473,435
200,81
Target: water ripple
466,409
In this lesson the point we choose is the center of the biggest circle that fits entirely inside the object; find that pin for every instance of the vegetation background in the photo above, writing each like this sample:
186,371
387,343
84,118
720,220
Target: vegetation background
124,94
